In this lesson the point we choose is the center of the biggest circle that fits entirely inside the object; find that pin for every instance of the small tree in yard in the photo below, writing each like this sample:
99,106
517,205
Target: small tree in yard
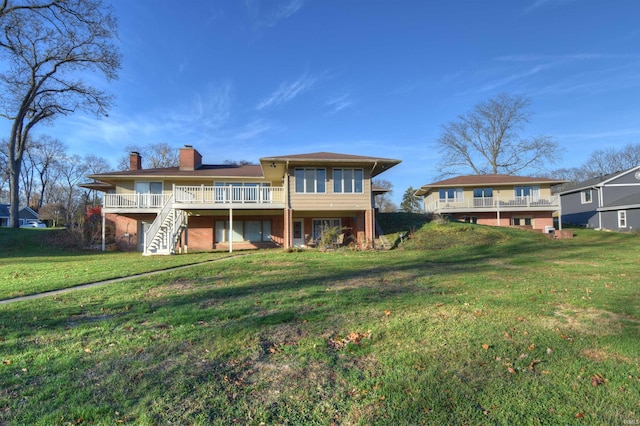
46,47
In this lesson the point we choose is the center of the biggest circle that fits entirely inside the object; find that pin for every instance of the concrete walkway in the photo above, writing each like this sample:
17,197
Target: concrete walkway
112,281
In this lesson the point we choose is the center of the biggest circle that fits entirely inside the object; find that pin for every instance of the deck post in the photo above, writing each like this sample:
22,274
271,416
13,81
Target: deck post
104,221
230,230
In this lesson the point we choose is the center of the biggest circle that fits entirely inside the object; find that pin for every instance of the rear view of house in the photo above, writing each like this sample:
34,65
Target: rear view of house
605,202
285,201
497,200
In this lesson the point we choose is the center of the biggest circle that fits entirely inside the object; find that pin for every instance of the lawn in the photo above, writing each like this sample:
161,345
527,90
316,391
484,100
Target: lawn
31,262
462,324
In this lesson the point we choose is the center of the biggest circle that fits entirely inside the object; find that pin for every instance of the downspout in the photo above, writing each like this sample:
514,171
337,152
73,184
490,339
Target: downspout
600,204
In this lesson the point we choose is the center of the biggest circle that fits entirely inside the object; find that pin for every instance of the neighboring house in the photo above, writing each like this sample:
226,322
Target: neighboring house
285,201
497,200
605,202
25,215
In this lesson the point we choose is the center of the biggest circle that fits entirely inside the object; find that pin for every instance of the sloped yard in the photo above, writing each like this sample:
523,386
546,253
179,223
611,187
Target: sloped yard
461,325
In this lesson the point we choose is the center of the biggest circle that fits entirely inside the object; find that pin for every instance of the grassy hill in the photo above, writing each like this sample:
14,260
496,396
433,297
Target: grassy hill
462,324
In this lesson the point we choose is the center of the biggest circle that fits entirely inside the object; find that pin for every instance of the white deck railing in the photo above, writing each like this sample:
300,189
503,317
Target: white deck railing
209,195
135,201
229,194
493,203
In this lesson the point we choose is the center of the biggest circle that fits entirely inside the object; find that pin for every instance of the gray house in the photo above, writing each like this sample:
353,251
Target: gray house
26,214
605,202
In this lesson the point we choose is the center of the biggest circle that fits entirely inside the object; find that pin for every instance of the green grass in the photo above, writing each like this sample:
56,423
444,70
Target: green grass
500,326
31,261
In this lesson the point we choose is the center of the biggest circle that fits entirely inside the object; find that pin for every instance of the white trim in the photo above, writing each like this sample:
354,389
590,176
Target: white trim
583,198
622,219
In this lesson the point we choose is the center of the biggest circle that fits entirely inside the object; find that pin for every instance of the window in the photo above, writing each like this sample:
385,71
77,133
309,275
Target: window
310,181
586,196
451,194
482,197
243,230
320,225
348,181
622,219
149,194
471,219
527,191
522,221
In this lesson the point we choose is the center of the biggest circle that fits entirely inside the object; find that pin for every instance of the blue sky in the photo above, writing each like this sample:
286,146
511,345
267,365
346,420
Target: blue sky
240,80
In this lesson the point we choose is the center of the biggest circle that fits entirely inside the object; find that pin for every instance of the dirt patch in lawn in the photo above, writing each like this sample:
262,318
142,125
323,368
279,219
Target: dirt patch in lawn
588,321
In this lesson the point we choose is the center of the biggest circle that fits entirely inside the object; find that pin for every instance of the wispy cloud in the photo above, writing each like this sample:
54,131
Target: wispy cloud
282,9
537,4
513,77
564,58
601,135
287,91
339,103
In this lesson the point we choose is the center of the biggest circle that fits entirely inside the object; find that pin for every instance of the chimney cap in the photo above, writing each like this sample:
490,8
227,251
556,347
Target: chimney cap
135,153
188,146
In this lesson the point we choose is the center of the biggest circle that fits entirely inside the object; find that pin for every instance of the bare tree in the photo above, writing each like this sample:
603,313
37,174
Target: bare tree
72,172
610,160
47,152
155,155
488,140
47,45
383,200
95,165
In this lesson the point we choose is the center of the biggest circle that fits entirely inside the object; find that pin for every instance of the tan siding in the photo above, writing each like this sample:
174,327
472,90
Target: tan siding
329,200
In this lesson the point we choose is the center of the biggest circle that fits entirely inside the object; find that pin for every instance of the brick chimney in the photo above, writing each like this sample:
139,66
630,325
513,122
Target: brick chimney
135,161
190,158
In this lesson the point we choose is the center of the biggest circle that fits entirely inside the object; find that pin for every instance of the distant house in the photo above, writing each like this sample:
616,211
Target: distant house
26,214
605,202
285,201
496,200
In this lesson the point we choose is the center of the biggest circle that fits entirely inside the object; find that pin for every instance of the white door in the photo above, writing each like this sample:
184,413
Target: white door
142,230
298,233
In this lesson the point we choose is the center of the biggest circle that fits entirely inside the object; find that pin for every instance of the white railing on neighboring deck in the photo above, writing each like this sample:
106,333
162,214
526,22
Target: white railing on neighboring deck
135,201
229,194
493,203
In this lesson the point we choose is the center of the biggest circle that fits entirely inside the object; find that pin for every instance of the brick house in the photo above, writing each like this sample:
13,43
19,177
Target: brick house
285,201
496,200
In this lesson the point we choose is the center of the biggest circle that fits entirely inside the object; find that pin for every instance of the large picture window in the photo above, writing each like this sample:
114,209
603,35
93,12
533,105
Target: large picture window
149,194
310,181
243,230
450,194
482,197
348,181
322,225
527,191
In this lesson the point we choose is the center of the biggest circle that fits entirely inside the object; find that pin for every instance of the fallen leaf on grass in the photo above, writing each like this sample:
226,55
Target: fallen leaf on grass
532,366
354,337
387,313
597,379
511,370
7,362
485,346
580,416
87,350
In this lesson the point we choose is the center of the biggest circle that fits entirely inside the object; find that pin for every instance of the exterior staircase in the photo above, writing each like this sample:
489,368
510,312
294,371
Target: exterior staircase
165,231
